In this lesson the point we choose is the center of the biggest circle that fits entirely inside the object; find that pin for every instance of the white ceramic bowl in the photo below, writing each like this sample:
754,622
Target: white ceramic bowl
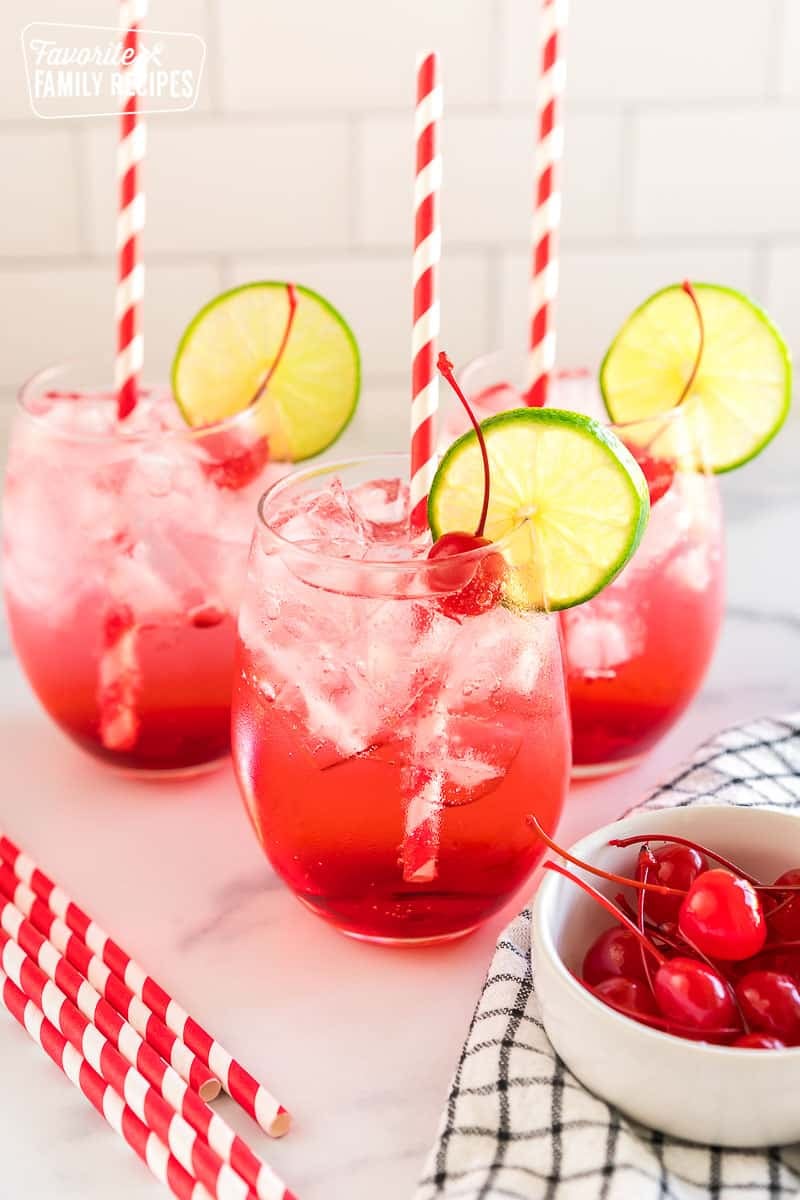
712,1094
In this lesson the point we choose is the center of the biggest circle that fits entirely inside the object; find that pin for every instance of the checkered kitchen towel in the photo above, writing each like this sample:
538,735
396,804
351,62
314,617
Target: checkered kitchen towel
518,1126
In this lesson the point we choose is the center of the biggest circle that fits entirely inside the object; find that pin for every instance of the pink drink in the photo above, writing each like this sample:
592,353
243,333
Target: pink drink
124,556
637,653
389,749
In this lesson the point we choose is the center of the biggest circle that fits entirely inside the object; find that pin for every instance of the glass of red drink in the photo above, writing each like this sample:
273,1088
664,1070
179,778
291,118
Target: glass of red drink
637,653
390,746
125,550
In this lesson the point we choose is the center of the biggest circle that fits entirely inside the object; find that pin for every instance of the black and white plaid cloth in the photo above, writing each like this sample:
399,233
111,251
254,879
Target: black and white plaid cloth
519,1126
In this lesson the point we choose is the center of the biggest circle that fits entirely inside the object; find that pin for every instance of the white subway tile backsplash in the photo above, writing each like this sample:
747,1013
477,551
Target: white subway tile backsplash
790,48
353,54
783,290
725,171
488,178
628,50
599,289
55,313
298,164
39,189
381,423
230,186
374,295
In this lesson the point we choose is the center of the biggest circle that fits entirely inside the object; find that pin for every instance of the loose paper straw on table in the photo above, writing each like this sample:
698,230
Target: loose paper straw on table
547,206
44,959
163,1041
252,1096
101,1095
191,1151
130,223
427,254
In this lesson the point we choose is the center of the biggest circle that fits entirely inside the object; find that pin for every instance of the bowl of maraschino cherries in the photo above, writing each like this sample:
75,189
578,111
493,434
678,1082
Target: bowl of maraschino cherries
666,956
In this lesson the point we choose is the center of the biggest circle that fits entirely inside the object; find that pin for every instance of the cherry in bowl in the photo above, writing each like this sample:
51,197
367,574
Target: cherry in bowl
736,1094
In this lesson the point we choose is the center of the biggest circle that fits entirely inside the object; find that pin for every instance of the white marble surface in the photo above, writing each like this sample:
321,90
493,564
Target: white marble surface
359,1042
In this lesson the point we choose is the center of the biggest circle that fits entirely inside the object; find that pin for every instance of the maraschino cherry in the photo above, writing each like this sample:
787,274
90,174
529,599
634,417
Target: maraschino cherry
692,994
472,587
770,1003
632,995
784,919
758,1041
722,916
704,970
615,953
676,867
696,995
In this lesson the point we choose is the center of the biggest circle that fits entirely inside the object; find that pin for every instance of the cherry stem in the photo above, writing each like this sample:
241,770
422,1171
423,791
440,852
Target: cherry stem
655,931
445,368
646,861
777,908
601,874
639,838
687,387
291,293
608,906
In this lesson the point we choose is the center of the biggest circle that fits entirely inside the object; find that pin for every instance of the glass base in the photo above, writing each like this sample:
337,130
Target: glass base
601,770
404,943
377,939
164,775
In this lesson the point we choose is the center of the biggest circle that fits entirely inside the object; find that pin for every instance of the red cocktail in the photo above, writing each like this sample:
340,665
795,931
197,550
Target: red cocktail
637,653
124,556
389,748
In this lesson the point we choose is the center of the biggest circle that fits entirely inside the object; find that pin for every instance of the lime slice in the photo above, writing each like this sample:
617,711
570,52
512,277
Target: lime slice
568,503
740,397
227,353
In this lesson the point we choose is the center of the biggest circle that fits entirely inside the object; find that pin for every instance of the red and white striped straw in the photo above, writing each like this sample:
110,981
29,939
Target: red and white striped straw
44,962
190,1146
427,255
192,1152
547,207
163,1041
130,221
142,1140
252,1096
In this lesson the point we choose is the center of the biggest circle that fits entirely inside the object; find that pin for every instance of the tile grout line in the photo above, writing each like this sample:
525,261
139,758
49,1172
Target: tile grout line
577,244
586,106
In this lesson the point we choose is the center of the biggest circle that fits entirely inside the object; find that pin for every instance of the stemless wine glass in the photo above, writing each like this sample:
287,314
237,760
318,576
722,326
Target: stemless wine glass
125,552
637,653
390,748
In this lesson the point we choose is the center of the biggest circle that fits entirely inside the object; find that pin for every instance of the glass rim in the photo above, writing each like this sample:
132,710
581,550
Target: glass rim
118,433
398,565
671,414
